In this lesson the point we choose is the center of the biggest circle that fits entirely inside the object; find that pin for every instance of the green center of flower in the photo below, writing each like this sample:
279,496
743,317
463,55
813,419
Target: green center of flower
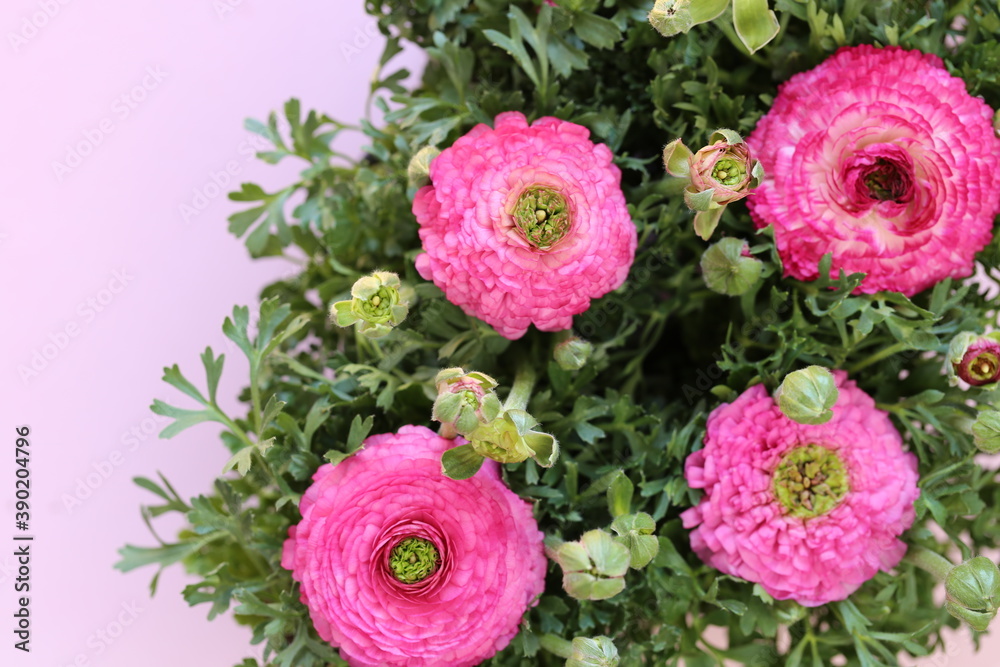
984,366
414,559
810,481
542,216
728,171
377,309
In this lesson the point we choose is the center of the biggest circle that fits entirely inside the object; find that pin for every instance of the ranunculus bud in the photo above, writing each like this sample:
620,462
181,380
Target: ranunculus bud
572,354
378,301
729,268
973,590
419,169
719,174
974,359
671,17
596,652
510,439
593,568
725,167
465,400
986,432
635,533
807,395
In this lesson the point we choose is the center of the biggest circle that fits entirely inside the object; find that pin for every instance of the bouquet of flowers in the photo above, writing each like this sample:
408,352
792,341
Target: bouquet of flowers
643,334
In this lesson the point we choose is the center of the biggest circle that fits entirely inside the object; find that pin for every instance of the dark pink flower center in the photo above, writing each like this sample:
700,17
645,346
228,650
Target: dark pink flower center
980,366
879,173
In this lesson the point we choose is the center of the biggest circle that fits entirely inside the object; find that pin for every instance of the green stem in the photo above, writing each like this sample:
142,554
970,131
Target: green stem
366,344
884,353
255,397
562,336
242,435
556,645
524,381
929,561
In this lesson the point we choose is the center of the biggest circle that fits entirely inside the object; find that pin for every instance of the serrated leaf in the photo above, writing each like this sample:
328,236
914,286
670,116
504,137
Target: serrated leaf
240,461
183,419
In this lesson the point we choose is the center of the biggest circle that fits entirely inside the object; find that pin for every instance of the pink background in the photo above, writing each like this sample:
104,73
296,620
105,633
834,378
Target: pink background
106,283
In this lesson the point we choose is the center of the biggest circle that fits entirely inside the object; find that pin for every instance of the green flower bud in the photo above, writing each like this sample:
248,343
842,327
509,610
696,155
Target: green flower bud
465,400
973,590
986,432
635,533
510,439
572,354
718,174
726,167
378,302
807,395
418,172
671,17
729,268
596,652
593,568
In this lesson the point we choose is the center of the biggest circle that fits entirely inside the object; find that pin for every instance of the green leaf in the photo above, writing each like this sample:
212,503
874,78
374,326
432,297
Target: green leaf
515,48
699,201
134,557
271,410
240,222
620,495
596,30
183,419
705,222
703,11
461,462
359,431
175,378
635,533
213,371
240,461
677,159
755,23
235,329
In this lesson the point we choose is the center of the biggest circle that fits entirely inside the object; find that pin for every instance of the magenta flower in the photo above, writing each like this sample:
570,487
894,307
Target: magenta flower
810,512
882,158
400,565
524,225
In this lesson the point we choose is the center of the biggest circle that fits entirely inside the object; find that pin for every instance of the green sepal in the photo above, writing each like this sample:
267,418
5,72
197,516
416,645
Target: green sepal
677,159
755,23
461,462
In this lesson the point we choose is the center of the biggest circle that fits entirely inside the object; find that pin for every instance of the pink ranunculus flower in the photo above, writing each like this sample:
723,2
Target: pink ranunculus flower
813,543
400,565
881,157
525,224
